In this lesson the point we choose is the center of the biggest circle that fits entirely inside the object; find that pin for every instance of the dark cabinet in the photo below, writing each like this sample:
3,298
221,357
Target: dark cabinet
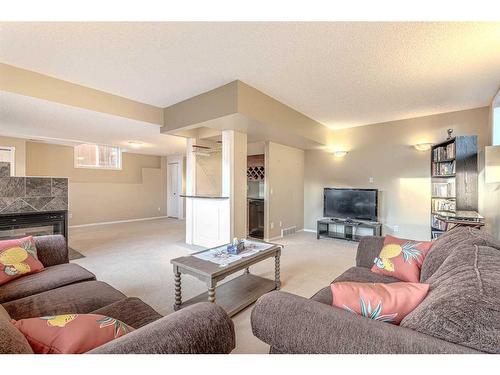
256,218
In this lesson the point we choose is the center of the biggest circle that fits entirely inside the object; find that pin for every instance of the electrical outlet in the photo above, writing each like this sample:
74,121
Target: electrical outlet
70,215
271,191
159,209
395,228
370,180
272,225
281,224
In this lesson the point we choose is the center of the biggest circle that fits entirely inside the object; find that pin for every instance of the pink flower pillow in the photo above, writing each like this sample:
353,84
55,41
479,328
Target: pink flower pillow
401,258
18,258
388,303
70,333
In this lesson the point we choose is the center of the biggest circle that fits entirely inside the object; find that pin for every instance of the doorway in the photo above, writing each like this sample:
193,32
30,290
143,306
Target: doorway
7,155
174,180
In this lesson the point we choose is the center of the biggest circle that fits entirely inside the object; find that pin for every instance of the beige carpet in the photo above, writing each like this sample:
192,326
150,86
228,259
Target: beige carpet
135,258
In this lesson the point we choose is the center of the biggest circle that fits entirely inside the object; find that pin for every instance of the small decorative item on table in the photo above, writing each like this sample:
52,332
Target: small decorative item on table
236,247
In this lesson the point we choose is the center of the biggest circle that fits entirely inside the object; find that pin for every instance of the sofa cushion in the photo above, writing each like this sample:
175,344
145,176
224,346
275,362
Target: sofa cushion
357,274
18,258
131,311
11,340
51,278
388,303
70,333
79,298
463,304
401,258
447,242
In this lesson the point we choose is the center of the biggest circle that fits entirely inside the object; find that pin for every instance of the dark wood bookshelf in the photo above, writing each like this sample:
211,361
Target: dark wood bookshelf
444,176
464,177
444,161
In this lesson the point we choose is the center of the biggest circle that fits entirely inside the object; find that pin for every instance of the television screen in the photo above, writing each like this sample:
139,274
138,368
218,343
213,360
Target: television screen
358,204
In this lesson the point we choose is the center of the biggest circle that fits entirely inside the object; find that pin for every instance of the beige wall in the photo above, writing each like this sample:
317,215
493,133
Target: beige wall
20,153
284,185
137,191
242,108
29,83
209,105
282,118
402,174
256,148
209,174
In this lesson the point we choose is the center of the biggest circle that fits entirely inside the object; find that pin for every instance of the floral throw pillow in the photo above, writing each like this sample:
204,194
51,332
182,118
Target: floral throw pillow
401,258
70,333
388,303
18,258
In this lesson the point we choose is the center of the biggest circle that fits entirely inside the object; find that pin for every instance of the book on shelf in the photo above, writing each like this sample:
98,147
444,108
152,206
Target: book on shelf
437,223
436,233
443,189
443,169
444,152
443,204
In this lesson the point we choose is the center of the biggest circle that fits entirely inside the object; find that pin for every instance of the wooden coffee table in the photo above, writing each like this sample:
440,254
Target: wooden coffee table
234,295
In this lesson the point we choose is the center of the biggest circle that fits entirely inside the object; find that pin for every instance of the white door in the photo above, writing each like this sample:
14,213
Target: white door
7,155
173,190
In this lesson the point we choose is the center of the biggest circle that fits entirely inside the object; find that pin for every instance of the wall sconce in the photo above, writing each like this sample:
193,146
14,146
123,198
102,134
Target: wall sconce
135,144
339,154
423,146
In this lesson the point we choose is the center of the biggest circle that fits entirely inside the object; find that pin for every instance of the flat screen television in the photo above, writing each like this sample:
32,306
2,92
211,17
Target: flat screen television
360,204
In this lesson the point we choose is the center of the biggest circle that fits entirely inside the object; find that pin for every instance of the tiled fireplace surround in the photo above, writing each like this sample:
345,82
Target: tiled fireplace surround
33,194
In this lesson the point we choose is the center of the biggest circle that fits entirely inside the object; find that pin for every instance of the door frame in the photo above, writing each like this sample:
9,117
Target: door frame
179,160
12,149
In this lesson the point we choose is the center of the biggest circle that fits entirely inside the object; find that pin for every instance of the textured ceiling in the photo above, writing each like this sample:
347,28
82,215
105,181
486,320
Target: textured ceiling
340,74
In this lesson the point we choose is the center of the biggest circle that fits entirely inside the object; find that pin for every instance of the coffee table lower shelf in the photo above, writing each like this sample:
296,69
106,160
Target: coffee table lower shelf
234,295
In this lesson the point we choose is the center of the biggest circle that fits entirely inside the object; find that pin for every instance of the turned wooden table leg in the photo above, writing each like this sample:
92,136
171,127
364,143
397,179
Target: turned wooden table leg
211,295
178,290
277,281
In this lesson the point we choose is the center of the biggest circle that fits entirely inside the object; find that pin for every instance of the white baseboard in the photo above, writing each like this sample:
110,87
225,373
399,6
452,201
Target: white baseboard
117,222
309,230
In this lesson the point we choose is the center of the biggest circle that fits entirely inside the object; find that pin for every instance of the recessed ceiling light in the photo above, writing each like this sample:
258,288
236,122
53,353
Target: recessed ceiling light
135,144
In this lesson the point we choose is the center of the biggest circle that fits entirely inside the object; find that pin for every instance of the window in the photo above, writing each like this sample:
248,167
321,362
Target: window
496,126
98,156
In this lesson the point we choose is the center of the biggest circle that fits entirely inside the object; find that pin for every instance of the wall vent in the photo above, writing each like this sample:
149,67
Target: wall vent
288,231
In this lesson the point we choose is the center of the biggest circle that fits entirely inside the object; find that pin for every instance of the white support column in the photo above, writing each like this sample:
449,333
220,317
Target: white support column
190,188
234,180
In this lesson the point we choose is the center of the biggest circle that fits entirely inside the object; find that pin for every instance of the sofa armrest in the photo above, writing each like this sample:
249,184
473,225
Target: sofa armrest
52,250
204,328
368,249
293,324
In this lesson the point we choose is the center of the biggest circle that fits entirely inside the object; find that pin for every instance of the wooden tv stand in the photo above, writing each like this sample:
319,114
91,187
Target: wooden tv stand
349,228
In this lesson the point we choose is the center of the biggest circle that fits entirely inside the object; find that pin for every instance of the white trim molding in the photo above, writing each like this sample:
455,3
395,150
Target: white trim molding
309,230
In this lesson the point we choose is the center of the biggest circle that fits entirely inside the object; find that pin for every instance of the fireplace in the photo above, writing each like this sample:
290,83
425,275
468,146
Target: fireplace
33,224
33,206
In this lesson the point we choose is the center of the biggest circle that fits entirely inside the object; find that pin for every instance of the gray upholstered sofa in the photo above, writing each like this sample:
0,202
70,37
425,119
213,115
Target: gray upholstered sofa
64,288
461,313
